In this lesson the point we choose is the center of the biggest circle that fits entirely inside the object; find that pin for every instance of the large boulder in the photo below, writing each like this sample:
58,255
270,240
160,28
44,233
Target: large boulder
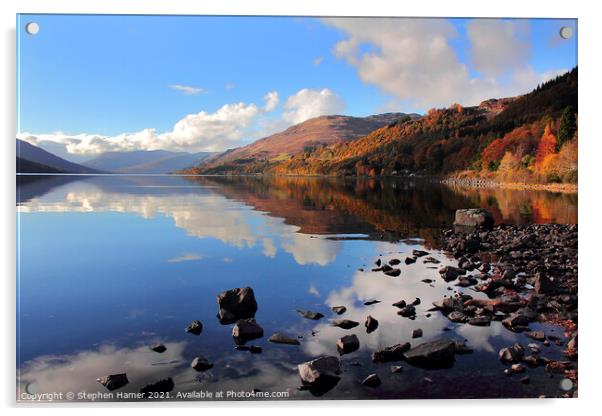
246,330
392,353
433,354
344,323
347,344
320,370
235,304
201,363
280,338
473,218
113,381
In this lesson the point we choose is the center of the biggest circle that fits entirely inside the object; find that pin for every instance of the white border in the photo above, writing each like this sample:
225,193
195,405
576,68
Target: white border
590,153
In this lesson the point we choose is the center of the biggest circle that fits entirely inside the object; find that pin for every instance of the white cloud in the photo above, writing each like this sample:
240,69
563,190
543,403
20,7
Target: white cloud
271,101
186,89
413,61
498,46
186,257
306,104
227,127
229,86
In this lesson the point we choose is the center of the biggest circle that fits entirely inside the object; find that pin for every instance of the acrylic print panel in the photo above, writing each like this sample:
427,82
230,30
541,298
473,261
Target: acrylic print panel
296,208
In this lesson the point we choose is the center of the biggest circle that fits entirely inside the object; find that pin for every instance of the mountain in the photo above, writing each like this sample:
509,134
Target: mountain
530,138
316,132
152,162
33,159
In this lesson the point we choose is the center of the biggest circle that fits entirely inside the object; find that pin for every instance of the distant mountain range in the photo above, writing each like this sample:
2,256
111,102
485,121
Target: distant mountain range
151,162
315,132
33,159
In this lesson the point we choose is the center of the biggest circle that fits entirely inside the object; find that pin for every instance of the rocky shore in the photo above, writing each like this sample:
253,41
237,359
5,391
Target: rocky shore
485,183
529,274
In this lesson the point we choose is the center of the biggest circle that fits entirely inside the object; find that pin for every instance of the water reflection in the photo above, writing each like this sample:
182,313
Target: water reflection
142,257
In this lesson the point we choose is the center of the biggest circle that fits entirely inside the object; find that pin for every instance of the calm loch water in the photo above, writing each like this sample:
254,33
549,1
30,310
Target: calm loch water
110,265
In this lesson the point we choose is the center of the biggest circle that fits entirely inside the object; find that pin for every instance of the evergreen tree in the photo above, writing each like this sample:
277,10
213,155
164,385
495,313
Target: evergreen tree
568,126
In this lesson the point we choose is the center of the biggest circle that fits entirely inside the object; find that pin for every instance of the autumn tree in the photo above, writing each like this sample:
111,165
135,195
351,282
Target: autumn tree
547,145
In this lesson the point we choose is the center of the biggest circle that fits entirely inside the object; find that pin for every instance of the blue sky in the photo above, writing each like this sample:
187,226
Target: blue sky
89,84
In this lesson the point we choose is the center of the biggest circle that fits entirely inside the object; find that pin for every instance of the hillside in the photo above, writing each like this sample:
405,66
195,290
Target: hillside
529,138
33,159
150,162
319,131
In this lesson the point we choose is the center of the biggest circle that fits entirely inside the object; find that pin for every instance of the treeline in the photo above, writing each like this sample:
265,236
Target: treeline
533,139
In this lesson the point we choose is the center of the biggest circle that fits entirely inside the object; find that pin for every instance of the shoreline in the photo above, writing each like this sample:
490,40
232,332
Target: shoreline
568,188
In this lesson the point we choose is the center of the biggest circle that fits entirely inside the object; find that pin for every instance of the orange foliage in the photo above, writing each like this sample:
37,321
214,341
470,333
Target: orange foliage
546,147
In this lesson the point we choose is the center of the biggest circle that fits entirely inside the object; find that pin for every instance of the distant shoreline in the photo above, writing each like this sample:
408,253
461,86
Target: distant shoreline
568,188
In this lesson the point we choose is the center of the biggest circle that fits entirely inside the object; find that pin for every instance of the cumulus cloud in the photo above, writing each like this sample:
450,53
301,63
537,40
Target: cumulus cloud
413,60
271,101
225,128
306,104
186,89
498,46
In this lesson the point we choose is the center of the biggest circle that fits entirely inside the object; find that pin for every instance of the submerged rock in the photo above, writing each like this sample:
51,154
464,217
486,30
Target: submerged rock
348,344
419,253
200,363
371,324
314,316
246,330
417,333
393,272
371,302
195,327
392,353
160,348
433,354
410,260
394,262
372,380
450,273
161,386
279,338
113,381
344,323
407,311
235,304
339,310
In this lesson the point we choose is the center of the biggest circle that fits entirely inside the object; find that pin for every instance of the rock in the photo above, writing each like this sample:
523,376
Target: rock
378,262
512,354
417,333
480,321
431,260
235,304
393,272
195,327
450,273
280,338
396,369
246,330
339,310
518,368
525,380
457,316
160,348
255,349
410,260
348,344
516,321
427,280
371,302
161,386
344,323
371,324
416,302
400,304
320,370
474,218
433,354
372,380
542,284
201,364
314,316
536,335
419,253
392,353
113,381
407,311
394,262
